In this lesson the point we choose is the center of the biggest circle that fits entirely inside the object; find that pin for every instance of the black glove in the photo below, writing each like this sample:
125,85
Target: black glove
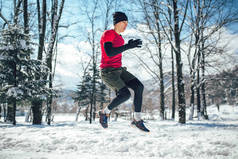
133,43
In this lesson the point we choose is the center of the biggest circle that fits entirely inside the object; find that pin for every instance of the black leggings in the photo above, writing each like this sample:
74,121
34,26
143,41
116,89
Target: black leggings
124,94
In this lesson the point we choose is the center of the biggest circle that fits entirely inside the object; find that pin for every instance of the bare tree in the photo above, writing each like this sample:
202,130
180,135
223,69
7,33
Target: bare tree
17,5
172,60
180,82
151,13
56,12
224,13
41,10
169,24
107,7
92,15
195,17
36,101
206,19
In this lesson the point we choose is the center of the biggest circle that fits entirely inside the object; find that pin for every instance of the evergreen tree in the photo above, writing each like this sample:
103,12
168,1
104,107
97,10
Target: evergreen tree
82,95
98,91
17,69
90,92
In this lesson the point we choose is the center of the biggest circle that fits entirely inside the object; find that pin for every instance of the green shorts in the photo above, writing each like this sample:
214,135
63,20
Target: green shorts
116,78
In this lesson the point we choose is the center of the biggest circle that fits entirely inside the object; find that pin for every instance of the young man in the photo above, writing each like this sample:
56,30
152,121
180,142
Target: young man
116,76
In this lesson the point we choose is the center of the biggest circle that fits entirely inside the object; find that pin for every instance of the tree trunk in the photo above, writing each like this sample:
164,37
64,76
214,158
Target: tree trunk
36,102
204,103
37,112
161,79
77,114
10,112
28,115
14,110
173,85
172,63
26,20
180,82
49,58
1,111
192,85
5,112
49,109
162,109
93,102
94,92
93,45
157,38
13,100
94,109
203,89
91,112
198,87
86,113
192,98
41,28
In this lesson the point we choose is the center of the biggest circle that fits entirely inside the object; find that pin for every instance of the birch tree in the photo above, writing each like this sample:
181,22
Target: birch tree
179,64
37,100
151,13
177,25
56,13
206,19
226,13
172,59
91,14
173,24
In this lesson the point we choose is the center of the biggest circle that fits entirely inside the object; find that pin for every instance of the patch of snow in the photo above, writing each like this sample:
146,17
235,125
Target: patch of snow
65,138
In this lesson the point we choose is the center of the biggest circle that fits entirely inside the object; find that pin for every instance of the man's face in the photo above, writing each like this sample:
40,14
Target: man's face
121,26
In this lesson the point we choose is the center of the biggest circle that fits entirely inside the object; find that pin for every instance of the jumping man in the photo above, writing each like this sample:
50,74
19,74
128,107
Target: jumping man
117,77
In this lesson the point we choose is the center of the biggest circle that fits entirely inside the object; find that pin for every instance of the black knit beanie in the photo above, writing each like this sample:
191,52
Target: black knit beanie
118,17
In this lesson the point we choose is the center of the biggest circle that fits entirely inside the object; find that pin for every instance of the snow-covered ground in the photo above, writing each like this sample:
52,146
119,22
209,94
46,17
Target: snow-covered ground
66,139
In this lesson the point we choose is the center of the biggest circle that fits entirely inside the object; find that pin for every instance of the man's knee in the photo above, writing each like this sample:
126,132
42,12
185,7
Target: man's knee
136,85
140,87
124,93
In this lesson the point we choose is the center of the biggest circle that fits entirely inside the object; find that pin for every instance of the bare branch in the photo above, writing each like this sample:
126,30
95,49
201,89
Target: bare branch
3,18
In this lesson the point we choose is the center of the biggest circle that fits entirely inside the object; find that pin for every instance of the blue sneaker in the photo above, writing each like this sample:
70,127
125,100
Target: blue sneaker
103,119
140,125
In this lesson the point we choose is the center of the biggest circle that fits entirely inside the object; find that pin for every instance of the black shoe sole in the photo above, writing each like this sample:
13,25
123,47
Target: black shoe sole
134,126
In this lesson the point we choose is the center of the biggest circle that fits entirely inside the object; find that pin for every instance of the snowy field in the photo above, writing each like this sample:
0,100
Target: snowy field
66,139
